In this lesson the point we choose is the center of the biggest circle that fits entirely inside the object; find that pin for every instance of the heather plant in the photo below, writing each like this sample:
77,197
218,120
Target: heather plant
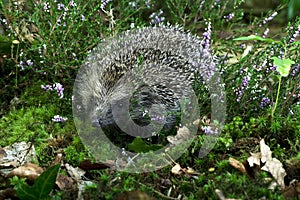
271,71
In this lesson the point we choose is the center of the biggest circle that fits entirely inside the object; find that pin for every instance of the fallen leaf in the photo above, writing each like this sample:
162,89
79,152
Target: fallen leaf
254,159
176,169
275,167
75,173
29,171
65,183
237,165
266,153
88,165
292,191
272,165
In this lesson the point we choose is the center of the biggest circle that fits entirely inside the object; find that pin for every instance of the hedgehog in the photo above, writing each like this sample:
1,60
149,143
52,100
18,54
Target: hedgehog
141,82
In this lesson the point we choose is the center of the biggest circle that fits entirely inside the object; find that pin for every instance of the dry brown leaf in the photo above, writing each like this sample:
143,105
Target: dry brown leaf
292,191
75,173
254,159
266,153
20,152
272,165
176,169
237,165
29,170
65,183
57,159
275,167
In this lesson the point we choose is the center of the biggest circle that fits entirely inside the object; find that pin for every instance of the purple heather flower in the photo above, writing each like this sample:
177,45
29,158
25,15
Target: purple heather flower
229,17
295,70
156,17
296,33
47,87
239,92
47,7
245,81
29,63
72,3
22,64
209,131
207,35
59,88
265,101
58,118
60,6
104,3
267,19
4,21
266,33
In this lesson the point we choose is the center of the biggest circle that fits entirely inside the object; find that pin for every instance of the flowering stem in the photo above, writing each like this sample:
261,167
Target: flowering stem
277,96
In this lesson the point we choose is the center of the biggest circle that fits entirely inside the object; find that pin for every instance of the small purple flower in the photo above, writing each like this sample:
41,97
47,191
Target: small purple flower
60,6
29,63
4,21
47,7
245,81
243,45
207,35
296,33
58,118
266,33
59,88
72,3
229,17
209,131
104,3
47,87
267,19
22,64
156,17
239,92
265,101
295,70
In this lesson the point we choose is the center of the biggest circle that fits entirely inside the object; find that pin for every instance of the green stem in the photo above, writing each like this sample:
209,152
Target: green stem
277,96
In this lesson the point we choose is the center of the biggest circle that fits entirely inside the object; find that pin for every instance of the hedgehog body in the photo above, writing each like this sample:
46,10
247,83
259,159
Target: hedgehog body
154,68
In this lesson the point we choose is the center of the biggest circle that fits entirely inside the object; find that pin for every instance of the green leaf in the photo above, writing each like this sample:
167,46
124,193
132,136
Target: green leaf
41,187
139,146
255,38
283,66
